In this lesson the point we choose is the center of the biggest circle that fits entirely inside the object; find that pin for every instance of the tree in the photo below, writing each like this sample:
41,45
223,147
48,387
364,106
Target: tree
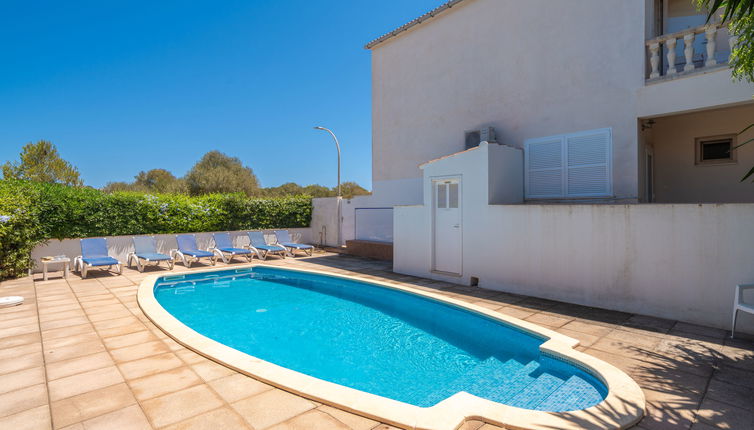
351,189
219,173
160,181
740,17
41,162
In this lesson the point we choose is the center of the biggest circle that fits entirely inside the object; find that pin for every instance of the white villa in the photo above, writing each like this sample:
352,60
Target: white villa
576,150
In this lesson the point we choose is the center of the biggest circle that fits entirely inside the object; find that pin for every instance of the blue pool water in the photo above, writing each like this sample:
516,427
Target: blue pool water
382,341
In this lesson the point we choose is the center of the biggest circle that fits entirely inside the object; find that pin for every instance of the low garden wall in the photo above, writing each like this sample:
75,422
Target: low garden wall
120,246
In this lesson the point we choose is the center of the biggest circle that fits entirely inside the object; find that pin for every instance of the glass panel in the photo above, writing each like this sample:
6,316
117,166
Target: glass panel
716,150
442,198
453,196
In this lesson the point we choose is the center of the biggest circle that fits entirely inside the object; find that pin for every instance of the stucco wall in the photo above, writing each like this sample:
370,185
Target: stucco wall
678,179
676,261
530,69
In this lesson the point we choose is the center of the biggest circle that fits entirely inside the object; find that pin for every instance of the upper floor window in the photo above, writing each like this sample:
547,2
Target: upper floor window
569,165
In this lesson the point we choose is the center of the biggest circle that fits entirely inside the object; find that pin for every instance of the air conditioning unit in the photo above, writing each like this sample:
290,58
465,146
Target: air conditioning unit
475,137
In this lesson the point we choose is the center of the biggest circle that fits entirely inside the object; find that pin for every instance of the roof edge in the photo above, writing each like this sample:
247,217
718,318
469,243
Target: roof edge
405,27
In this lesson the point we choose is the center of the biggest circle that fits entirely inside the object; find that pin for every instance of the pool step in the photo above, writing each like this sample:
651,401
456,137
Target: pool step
534,394
573,391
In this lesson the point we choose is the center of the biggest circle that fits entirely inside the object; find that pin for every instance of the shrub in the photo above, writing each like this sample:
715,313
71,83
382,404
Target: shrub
34,212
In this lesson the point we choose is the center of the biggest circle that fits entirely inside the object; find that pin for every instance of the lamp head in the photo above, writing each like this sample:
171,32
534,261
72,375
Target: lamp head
319,128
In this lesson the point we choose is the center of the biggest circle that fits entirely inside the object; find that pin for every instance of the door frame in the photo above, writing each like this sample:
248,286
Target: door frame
433,181
649,173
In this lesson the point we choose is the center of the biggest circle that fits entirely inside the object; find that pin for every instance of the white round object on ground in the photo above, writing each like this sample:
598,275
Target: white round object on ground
10,301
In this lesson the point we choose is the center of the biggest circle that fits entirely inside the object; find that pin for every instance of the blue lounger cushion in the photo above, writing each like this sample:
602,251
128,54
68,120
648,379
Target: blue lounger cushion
297,245
101,261
196,253
235,250
271,248
152,256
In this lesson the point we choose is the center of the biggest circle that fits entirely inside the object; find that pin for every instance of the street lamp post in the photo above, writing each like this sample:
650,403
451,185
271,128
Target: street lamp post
337,145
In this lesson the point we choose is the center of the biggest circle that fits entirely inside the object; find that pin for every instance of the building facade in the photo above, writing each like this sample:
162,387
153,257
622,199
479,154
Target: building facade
592,110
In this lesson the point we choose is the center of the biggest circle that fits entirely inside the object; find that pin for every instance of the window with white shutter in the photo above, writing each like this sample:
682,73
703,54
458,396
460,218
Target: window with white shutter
569,165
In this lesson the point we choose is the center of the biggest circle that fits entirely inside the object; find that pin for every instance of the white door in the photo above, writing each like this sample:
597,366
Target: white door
447,225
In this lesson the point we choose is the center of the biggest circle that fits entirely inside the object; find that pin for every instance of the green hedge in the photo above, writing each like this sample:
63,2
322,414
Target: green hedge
35,212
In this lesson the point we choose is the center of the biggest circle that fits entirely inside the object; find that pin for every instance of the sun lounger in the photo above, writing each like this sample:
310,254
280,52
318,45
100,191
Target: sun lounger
258,244
189,252
145,252
284,239
94,254
224,246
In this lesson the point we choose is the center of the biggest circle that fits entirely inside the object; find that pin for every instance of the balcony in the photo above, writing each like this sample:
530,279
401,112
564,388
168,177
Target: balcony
695,50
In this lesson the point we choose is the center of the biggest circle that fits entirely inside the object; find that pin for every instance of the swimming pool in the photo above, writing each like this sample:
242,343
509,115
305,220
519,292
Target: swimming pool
387,342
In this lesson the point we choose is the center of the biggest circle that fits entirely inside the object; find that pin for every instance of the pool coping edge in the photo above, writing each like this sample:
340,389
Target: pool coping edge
624,405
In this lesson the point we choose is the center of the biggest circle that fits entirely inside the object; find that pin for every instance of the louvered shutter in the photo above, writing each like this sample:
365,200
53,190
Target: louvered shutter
544,162
571,165
588,164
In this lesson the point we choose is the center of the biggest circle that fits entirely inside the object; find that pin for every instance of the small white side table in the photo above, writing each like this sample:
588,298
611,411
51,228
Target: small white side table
66,262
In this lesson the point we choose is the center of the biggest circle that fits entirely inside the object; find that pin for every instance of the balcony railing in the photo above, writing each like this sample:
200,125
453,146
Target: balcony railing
681,53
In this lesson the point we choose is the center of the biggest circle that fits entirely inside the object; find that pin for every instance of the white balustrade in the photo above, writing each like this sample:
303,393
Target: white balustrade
669,43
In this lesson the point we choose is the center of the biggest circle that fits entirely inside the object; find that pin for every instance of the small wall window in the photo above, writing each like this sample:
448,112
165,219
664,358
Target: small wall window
716,150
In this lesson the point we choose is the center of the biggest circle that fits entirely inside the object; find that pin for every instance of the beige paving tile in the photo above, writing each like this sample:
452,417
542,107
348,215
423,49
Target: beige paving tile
68,322
16,331
181,405
15,364
353,421
20,400
515,312
126,329
223,418
588,328
84,382
67,331
24,339
271,407
311,420
22,379
142,350
237,386
88,405
129,339
149,366
31,419
209,370
164,383
15,322
129,418
114,323
549,320
106,316
60,369
73,351
89,336
65,314
21,350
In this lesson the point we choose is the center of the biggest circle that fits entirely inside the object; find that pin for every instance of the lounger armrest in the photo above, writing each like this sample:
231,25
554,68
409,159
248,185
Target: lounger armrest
743,287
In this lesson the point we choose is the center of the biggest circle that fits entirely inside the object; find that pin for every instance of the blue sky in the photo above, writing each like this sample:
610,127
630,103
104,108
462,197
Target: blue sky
124,86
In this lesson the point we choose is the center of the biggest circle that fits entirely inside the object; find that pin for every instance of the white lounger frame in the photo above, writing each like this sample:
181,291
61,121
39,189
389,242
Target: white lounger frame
187,259
222,253
140,266
80,266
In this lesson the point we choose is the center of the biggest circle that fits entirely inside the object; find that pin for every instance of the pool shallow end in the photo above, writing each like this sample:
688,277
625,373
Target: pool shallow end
623,406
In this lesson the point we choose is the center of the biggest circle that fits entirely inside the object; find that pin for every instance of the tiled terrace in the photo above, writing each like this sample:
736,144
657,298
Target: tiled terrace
79,354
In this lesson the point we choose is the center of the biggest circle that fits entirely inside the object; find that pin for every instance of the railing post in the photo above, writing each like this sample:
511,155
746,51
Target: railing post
654,60
670,45
711,32
688,51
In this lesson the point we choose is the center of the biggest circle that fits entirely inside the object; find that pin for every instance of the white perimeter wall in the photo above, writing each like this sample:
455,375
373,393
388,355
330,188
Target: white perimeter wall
675,261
